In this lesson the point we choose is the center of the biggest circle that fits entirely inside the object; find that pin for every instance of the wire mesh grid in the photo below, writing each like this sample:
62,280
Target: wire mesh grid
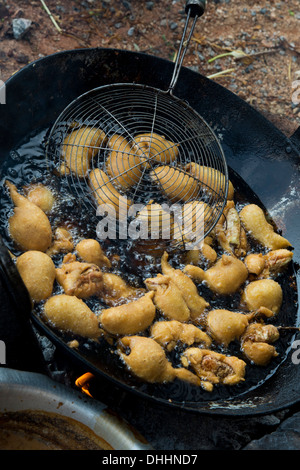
125,145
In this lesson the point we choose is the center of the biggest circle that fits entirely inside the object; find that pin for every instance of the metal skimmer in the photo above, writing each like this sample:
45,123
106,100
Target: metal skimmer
130,144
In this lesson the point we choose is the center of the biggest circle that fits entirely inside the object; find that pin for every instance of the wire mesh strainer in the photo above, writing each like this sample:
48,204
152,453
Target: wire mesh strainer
138,151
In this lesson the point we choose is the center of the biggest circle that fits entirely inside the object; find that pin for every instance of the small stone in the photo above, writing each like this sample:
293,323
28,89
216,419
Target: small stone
20,27
127,5
173,25
199,55
22,59
130,32
249,68
60,8
194,68
149,5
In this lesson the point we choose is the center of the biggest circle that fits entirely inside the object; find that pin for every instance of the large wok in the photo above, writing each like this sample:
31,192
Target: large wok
261,159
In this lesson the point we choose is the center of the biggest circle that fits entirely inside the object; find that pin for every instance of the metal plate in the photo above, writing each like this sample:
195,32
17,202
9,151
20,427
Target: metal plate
22,391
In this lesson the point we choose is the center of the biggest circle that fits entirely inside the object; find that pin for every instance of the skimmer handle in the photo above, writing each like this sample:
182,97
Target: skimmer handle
193,9
196,7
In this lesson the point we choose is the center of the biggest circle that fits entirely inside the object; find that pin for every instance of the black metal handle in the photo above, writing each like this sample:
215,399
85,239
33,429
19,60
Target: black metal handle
16,333
195,7
13,281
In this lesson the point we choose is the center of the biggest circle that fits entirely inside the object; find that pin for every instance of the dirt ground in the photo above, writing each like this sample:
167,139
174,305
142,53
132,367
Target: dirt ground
265,72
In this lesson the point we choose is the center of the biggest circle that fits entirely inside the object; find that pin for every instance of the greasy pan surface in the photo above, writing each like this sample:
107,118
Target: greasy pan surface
260,157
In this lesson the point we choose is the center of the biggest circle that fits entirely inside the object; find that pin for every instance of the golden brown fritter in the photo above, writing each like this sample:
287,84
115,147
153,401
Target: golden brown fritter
263,293
147,360
29,226
225,277
176,184
213,367
225,326
106,195
80,279
188,289
62,242
70,314
255,222
168,298
130,318
90,251
41,196
255,343
116,290
169,333
155,148
79,147
38,273
123,164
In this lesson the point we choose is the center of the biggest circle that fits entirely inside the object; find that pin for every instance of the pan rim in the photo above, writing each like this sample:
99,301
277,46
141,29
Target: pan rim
227,407
286,139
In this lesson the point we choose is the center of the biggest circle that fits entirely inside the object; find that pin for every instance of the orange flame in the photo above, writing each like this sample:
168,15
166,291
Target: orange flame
82,382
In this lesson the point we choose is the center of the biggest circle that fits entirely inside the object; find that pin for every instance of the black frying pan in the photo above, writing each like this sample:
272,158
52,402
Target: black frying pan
263,165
